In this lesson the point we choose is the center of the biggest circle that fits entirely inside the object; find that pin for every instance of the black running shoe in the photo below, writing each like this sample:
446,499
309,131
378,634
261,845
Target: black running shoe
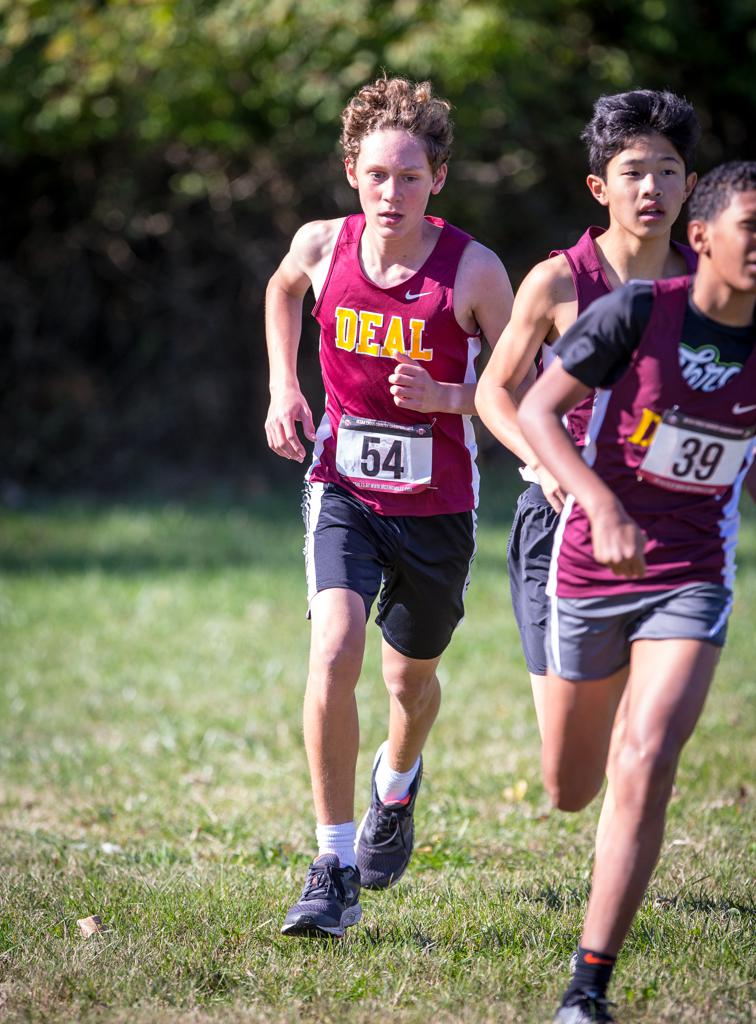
386,836
329,902
583,1008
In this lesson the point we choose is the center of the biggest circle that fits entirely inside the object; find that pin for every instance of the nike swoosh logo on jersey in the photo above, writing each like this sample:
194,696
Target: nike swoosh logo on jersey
409,296
738,409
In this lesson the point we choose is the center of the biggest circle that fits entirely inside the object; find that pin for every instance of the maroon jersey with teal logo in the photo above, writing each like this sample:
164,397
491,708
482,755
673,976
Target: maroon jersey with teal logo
397,461
591,282
664,448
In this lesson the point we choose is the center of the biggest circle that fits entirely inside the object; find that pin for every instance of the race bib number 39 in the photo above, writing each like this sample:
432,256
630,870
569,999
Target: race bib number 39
694,455
381,456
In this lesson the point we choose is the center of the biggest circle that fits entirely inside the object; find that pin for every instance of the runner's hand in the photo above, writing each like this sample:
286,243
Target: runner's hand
618,542
284,412
551,489
413,387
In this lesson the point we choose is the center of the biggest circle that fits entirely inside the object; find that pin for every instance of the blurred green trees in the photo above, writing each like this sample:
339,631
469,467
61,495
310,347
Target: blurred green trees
155,156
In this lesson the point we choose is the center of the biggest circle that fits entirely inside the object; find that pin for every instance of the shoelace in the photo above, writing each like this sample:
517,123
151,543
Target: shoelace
387,823
319,883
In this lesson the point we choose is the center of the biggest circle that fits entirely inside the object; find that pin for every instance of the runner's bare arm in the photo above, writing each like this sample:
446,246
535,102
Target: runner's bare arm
482,300
283,326
501,385
617,541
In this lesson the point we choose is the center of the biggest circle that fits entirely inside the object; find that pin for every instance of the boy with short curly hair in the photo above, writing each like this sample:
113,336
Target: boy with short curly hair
404,302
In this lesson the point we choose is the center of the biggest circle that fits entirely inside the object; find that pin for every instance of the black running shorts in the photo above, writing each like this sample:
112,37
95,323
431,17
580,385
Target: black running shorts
420,565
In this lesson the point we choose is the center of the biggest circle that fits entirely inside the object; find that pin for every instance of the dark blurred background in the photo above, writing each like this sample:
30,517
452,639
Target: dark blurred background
156,157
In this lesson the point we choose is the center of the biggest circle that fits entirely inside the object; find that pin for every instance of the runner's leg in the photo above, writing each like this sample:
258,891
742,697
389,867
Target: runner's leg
414,700
578,722
331,727
668,684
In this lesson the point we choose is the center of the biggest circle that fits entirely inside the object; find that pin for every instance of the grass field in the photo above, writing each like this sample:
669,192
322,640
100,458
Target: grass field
152,661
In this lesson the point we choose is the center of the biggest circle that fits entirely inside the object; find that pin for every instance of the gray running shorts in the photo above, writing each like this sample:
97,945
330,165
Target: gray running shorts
590,637
528,557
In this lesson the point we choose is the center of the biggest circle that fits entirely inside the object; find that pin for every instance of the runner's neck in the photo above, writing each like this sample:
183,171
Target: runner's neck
625,257
388,262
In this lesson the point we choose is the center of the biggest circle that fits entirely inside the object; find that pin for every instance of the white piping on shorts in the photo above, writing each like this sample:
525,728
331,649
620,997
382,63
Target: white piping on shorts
722,620
322,434
314,501
729,523
474,552
554,633
471,443
551,583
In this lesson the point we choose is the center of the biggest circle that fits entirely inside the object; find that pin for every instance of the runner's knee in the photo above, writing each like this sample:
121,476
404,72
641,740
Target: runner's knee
643,774
570,783
334,670
411,689
570,794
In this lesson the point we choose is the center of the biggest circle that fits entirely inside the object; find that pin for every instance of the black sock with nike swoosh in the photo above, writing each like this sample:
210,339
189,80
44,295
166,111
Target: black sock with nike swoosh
592,972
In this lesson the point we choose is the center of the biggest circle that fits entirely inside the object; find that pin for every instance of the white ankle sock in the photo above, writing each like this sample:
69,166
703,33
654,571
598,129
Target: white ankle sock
338,839
392,786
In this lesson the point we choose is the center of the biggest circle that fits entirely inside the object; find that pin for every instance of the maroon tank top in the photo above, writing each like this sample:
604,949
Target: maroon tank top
591,283
691,536
362,327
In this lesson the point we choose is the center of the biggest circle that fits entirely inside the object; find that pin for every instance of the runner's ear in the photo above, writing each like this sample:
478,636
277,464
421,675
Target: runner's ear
438,179
350,172
597,188
698,237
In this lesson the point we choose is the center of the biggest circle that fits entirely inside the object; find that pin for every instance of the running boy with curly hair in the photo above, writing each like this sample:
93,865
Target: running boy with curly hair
404,302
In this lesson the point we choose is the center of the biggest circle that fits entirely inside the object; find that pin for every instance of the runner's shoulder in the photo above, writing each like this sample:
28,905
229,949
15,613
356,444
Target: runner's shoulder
314,242
476,256
546,287
480,266
552,279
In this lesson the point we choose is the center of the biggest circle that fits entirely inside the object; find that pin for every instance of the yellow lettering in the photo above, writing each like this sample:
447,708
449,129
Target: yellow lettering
416,341
368,323
346,328
644,432
357,331
394,340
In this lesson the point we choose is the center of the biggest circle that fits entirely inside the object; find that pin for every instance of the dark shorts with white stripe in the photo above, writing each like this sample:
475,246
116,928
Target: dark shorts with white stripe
420,565
528,557
590,637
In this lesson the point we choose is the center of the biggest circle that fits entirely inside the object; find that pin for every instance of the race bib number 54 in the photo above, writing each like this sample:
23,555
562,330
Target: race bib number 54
694,455
381,456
